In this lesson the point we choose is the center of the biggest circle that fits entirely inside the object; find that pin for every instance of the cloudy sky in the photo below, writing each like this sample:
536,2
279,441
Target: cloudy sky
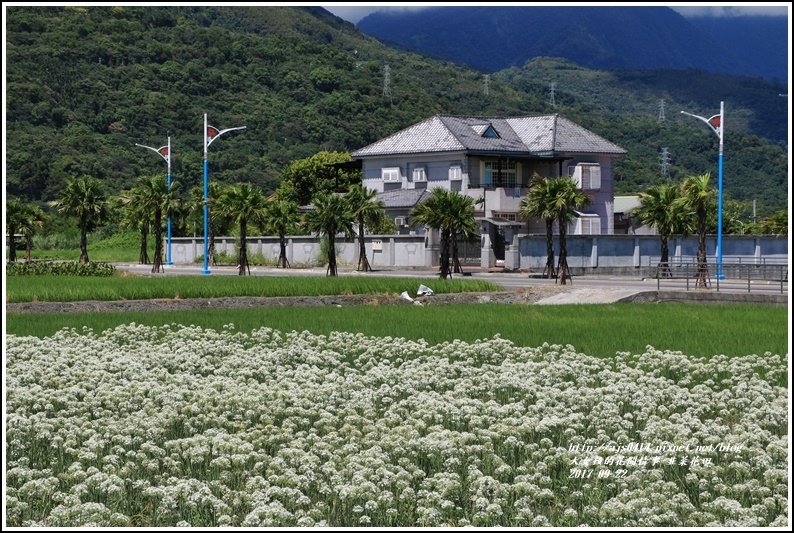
354,13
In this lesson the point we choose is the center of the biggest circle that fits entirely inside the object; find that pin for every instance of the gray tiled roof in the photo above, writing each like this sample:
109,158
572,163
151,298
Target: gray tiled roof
402,197
427,136
525,135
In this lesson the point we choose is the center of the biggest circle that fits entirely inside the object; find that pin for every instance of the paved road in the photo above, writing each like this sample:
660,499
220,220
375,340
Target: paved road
511,281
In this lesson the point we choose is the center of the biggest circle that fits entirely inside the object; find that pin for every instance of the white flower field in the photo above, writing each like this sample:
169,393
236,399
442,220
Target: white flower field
177,425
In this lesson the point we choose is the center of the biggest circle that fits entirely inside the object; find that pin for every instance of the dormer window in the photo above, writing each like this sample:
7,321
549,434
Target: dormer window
485,130
490,133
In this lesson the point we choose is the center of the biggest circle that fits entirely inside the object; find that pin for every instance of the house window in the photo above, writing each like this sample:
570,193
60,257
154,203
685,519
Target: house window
419,174
455,173
500,174
390,174
587,224
586,175
506,216
490,133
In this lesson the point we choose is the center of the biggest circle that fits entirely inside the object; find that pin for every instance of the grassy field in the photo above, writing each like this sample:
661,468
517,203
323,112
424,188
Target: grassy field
602,330
76,288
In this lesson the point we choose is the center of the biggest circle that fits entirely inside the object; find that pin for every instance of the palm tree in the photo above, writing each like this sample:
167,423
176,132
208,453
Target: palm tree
462,223
158,202
242,203
696,196
537,204
135,216
368,212
331,215
449,213
84,199
281,219
566,198
25,219
660,208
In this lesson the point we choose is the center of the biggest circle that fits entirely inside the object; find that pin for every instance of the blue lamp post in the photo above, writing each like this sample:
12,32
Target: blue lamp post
717,125
165,153
210,134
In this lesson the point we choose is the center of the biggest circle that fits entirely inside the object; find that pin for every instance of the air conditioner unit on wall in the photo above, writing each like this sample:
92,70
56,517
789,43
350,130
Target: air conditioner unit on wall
399,221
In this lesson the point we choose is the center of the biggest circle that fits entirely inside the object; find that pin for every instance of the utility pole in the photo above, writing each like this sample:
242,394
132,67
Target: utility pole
387,83
662,118
552,87
665,162
486,84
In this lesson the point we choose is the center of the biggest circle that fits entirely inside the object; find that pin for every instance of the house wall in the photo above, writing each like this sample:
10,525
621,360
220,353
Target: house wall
436,169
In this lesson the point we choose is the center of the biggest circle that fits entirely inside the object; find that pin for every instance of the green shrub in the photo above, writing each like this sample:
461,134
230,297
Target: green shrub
59,268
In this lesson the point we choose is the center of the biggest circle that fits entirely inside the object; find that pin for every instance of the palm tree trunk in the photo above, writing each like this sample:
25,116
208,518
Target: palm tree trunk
83,243
548,272
143,256
243,259
363,262
28,247
445,273
456,268
12,246
664,264
157,264
331,271
562,268
282,255
702,276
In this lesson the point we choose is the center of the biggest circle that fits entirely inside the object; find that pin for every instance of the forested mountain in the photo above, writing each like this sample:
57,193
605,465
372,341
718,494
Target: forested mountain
491,38
84,84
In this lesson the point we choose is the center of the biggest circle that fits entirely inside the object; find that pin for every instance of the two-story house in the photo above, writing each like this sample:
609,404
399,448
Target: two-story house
494,159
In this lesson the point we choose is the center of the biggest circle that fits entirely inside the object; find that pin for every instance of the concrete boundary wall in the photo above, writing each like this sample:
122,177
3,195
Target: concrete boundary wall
624,253
382,250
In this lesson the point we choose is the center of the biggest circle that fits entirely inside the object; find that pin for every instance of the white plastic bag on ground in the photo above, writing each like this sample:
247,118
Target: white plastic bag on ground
424,290
405,296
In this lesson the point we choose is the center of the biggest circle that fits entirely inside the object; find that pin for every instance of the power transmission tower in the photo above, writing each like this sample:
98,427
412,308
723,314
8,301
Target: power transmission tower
553,86
486,84
661,111
387,83
665,162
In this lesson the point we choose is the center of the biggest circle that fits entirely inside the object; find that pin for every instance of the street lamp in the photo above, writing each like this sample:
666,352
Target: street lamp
165,153
717,125
210,134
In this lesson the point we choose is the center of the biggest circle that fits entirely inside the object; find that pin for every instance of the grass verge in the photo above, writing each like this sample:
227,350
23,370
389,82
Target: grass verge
600,330
76,288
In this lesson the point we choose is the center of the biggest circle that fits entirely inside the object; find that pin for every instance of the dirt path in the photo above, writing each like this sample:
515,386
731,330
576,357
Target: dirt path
521,296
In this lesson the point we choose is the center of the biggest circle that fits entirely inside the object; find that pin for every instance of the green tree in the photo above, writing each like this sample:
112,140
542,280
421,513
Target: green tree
317,174
242,203
775,224
566,198
660,207
281,219
538,204
449,213
133,215
22,218
84,199
696,196
331,215
368,213
158,202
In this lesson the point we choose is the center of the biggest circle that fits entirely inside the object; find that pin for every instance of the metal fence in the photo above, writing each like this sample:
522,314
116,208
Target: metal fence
736,276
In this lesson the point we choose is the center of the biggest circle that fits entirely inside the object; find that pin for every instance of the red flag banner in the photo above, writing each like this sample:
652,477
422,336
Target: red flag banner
212,132
163,151
715,121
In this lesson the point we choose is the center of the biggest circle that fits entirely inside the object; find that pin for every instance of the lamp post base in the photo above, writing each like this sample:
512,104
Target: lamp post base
206,272
719,276
169,263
